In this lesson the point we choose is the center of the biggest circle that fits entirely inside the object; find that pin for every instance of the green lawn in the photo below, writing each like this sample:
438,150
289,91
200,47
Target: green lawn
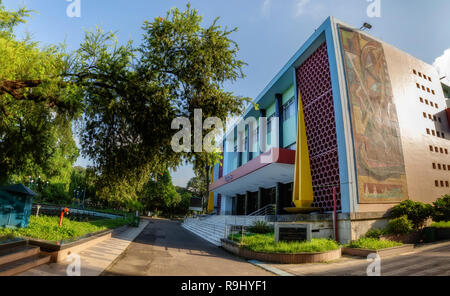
441,224
46,228
373,244
265,243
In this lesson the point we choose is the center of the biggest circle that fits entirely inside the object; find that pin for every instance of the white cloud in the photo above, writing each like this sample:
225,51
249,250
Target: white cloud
300,7
265,9
442,65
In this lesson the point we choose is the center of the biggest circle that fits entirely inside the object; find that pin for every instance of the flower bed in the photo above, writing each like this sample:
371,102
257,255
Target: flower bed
366,246
263,247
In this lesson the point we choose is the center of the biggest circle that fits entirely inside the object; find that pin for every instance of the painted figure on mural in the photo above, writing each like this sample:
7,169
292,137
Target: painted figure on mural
376,130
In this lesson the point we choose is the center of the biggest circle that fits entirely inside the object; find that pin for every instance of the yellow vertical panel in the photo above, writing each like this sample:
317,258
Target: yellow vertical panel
303,195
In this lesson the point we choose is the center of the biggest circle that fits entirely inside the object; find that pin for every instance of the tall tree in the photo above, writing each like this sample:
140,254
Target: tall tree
37,106
132,95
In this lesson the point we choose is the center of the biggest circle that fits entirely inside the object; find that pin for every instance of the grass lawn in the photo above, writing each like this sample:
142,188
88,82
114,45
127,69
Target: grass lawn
46,228
373,244
441,224
265,243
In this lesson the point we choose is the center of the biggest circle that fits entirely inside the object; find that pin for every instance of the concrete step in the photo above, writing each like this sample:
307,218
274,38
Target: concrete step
23,264
17,253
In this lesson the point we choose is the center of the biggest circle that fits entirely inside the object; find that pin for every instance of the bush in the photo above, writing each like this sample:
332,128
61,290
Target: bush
260,227
376,233
401,225
417,212
441,224
441,209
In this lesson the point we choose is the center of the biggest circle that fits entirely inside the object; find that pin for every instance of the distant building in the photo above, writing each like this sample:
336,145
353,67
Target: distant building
356,115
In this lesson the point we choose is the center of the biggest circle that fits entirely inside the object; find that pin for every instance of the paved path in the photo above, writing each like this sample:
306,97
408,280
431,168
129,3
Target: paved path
95,259
164,248
431,260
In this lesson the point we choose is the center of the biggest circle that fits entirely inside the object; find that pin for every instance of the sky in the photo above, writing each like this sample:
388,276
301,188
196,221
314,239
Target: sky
270,31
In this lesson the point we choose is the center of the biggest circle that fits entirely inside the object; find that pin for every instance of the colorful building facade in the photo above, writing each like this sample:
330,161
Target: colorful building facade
362,126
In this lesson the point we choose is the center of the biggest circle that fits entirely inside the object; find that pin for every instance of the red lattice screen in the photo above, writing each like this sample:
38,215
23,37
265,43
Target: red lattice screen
314,80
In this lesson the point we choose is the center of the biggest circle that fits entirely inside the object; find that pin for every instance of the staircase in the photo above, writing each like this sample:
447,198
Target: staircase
214,228
18,257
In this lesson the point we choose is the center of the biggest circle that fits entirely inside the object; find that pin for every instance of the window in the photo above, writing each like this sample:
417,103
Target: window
437,107
444,167
436,183
429,116
415,72
424,114
436,149
289,110
421,100
439,119
418,85
420,74
429,78
442,183
438,134
423,88
426,102
434,118
428,89
442,150
447,184
432,91
446,151
439,166
428,131
431,104
434,166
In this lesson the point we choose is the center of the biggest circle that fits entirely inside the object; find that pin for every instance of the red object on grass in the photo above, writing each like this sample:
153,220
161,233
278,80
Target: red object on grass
65,211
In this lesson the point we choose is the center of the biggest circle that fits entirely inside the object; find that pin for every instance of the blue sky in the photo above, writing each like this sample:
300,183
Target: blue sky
270,31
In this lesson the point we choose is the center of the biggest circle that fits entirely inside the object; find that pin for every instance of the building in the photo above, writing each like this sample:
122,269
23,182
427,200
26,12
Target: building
358,118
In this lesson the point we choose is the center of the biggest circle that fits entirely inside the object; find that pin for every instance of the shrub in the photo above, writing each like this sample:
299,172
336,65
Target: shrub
376,233
417,212
401,225
260,227
441,209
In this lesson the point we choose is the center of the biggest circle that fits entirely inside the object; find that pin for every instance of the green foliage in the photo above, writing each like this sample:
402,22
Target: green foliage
373,244
417,212
376,233
401,225
441,209
265,243
160,194
260,227
37,107
442,224
46,228
56,194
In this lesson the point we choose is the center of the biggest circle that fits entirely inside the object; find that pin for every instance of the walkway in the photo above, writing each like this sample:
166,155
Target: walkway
430,260
164,248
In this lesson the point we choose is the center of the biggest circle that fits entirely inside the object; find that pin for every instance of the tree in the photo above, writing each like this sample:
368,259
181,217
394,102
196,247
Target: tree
160,194
37,106
132,95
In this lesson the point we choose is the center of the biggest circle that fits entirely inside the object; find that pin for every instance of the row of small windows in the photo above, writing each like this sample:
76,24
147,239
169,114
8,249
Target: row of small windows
432,117
435,133
289,109
422,100
438,183
427,89
437,150
438,166
422,75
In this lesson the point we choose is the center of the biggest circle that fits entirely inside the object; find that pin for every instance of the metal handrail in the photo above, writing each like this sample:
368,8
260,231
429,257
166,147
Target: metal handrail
269,209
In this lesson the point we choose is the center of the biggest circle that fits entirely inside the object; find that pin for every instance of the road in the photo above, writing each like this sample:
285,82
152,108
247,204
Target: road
164,248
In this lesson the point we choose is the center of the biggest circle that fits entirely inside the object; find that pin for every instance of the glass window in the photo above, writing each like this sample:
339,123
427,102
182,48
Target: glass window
289,110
